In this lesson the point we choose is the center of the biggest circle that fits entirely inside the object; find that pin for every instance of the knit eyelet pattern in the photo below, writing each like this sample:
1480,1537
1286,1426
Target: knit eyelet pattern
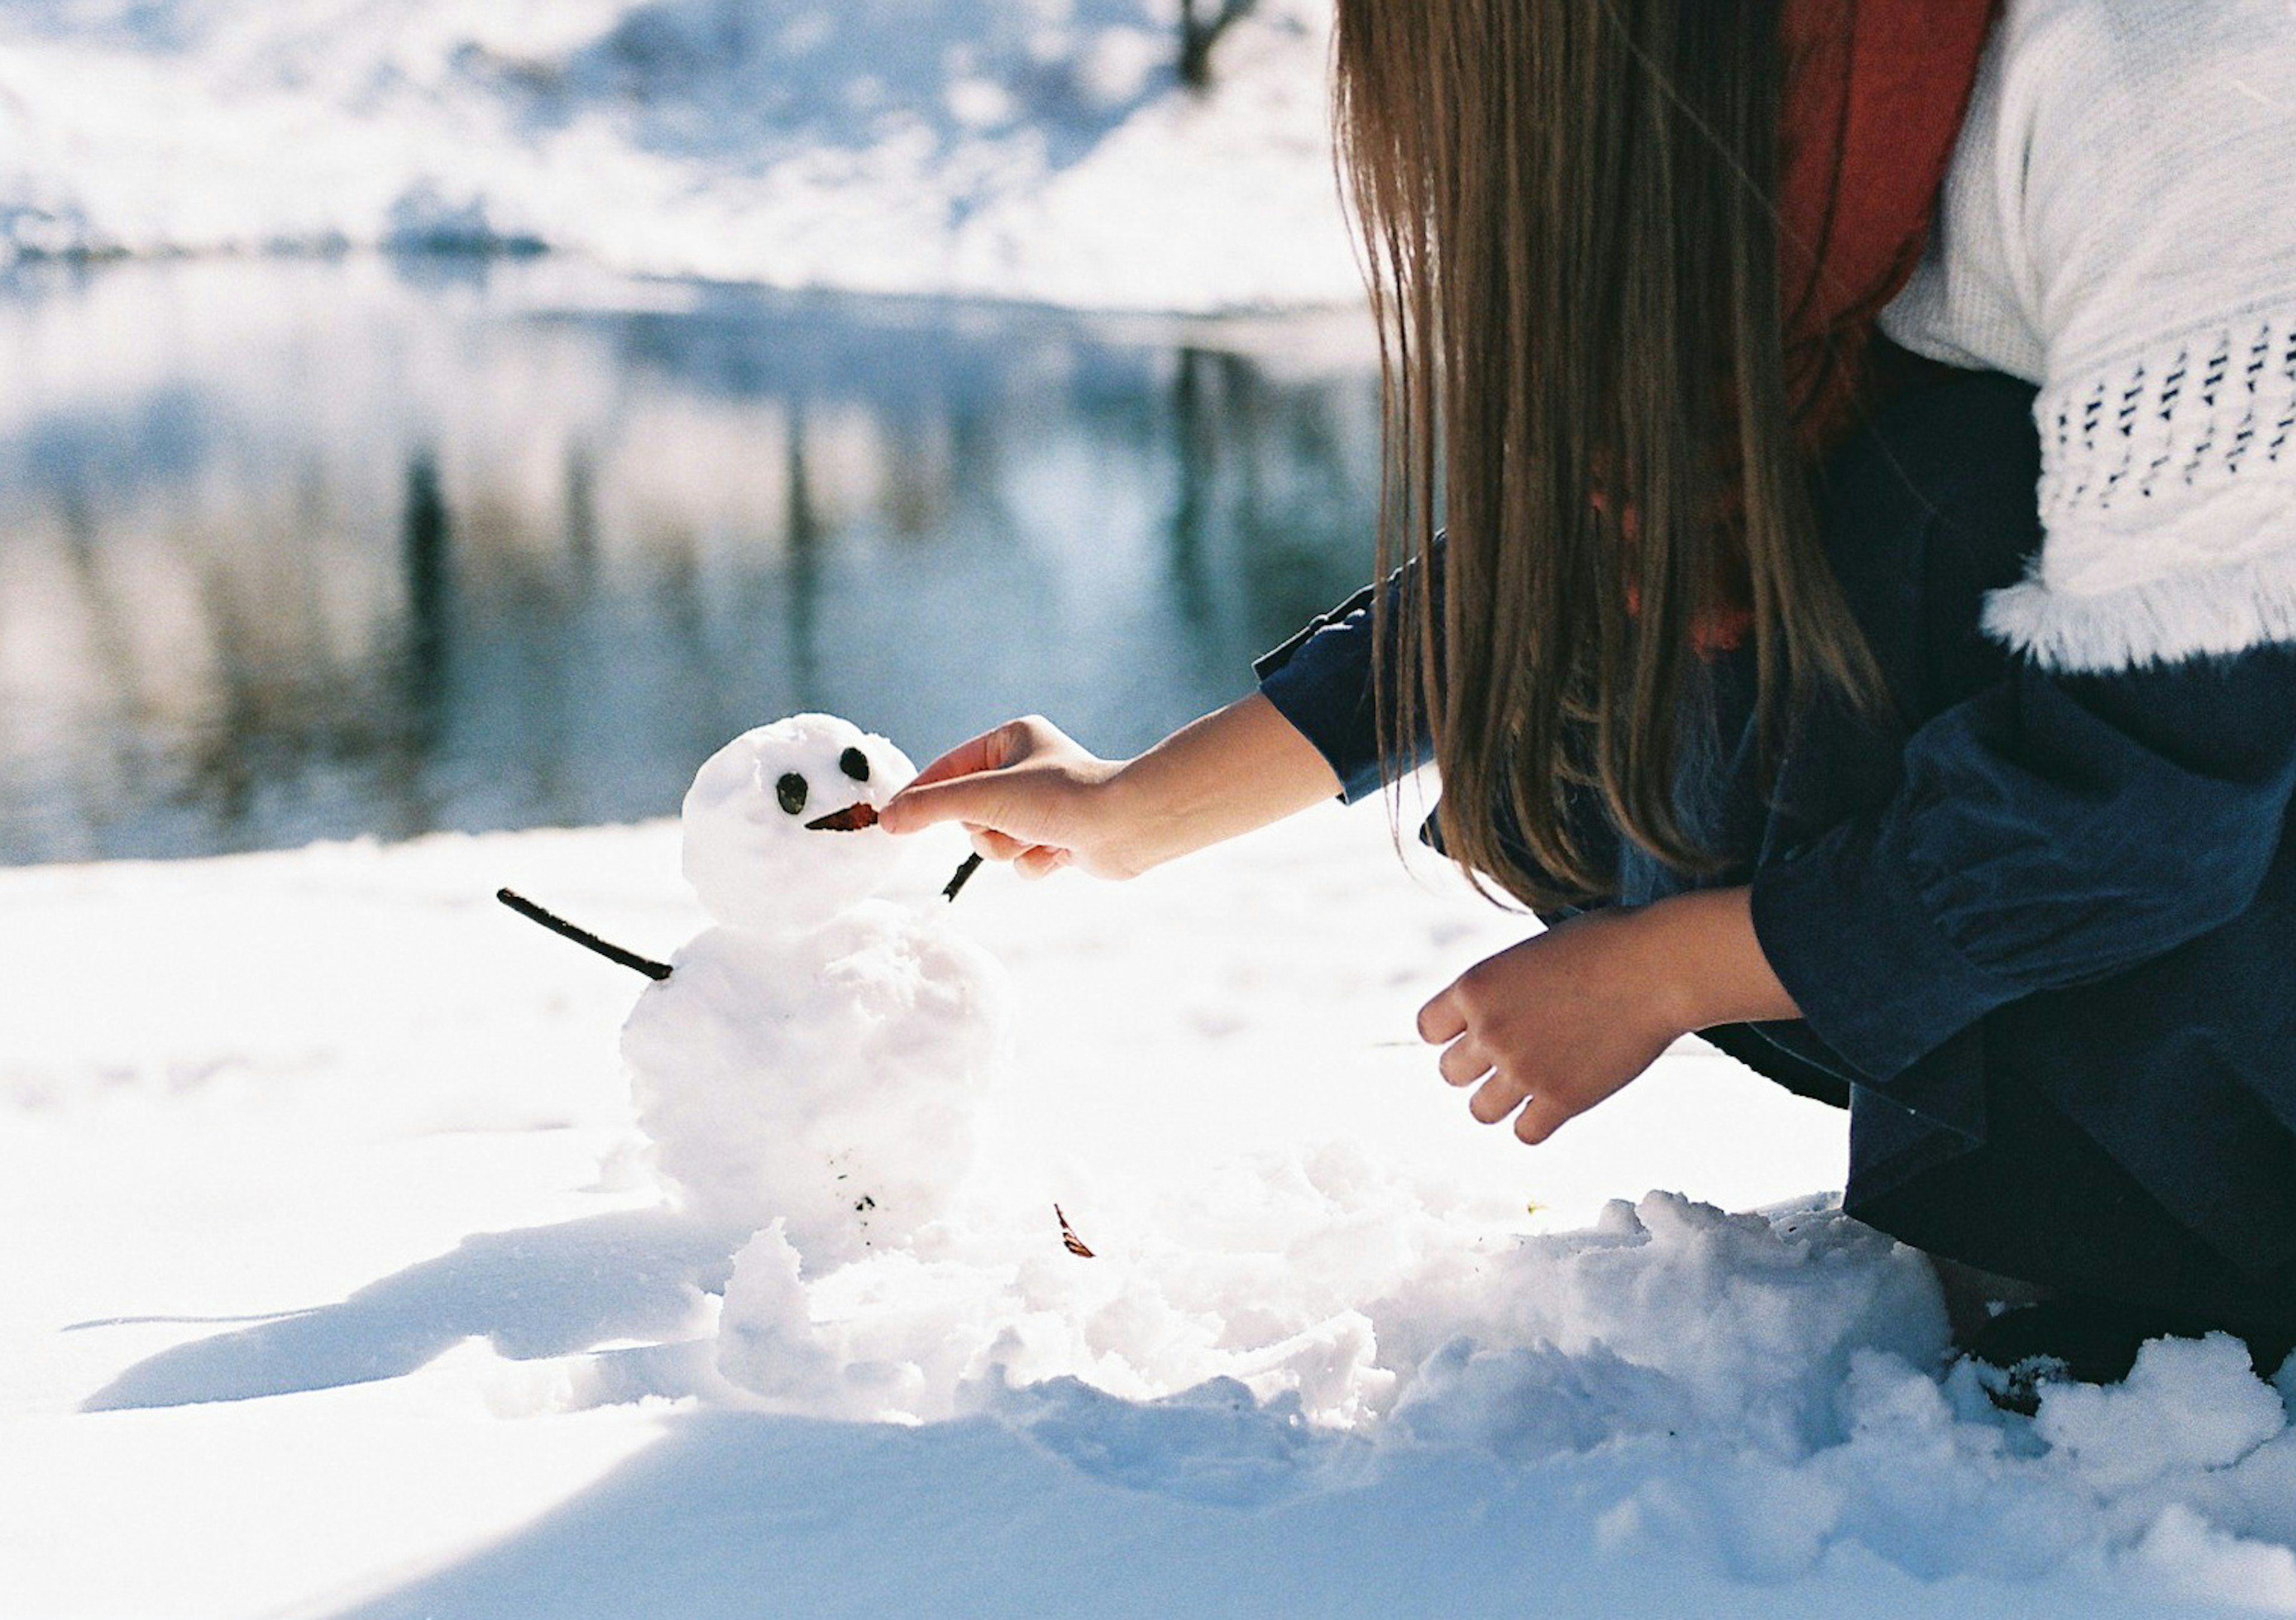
2167,498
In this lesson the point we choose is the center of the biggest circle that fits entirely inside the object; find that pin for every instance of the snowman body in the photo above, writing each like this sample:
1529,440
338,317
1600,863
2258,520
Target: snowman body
815,1058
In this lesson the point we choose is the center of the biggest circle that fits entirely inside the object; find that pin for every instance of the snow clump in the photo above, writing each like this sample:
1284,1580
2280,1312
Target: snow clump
811,1062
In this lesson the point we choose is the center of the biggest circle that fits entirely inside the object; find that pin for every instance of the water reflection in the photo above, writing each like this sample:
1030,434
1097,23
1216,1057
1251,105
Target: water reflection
301,550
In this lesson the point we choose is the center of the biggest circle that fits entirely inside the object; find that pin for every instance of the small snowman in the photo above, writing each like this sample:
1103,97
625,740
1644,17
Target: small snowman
814,1058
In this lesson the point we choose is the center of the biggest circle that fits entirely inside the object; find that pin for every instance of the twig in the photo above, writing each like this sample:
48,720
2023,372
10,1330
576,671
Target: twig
964,872
583,937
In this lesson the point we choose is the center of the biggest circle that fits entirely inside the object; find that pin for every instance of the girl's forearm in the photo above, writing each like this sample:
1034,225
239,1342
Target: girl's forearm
1032,795
1235,770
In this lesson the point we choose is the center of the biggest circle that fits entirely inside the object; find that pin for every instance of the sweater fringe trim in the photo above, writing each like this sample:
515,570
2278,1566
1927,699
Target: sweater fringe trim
2207,613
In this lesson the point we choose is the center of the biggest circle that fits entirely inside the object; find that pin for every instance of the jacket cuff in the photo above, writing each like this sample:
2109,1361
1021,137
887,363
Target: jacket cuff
1325,716
1320,681
1276,658
1848,932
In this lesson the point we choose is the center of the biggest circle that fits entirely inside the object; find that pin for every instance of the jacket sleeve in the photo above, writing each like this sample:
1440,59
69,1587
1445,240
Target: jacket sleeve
1321,681
2052,831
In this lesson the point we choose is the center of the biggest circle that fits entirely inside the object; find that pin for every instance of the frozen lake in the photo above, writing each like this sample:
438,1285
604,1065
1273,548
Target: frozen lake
301,549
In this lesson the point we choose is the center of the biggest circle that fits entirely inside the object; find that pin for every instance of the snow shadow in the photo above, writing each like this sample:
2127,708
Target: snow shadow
736,1514
544,1291
1213,1444
741,1514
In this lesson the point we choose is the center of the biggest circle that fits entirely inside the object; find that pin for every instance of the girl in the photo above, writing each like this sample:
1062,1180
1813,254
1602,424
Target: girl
1748,654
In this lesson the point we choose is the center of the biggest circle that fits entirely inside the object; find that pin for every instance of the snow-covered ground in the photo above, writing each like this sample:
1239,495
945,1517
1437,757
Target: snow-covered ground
338,1282
1038,151
339,1285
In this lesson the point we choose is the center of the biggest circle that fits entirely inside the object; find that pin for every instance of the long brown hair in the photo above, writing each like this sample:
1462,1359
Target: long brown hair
1566,211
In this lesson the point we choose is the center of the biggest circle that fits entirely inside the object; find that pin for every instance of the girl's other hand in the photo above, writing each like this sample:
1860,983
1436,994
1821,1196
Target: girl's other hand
1567,1019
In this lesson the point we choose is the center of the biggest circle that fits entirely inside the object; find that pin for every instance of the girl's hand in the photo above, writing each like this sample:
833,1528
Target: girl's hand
1028,794
1565,1019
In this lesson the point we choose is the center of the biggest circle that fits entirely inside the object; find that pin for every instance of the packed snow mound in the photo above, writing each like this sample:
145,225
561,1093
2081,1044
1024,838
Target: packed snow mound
815,1060
825,1079
1324,1283
781,824
1769,1394
1044,151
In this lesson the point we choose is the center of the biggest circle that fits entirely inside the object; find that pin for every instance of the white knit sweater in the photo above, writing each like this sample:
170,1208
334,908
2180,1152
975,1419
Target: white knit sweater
2118,228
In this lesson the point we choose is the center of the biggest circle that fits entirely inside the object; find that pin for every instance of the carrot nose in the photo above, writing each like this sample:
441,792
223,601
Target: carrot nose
852,818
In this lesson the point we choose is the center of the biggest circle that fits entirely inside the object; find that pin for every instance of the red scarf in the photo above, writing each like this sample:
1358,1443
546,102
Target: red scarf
1876,91
1875,95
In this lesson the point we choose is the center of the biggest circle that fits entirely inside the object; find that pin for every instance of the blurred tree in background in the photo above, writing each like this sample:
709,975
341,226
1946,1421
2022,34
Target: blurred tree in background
1201,23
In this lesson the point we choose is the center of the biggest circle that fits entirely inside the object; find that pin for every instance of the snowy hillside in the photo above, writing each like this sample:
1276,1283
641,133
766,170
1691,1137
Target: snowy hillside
1040,151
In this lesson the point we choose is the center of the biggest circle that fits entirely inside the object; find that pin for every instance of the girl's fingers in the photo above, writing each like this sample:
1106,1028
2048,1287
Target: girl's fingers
1499,1097
990,750
1442,1019
982,782
962,780
1041,860
1023,806
994,845
963,798
1462,1062
1541,1117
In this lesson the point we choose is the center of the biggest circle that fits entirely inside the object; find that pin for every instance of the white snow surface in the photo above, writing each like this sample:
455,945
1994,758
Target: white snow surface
1041,151
337,1285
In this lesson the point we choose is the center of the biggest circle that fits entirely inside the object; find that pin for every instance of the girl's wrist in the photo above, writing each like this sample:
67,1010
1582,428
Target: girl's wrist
1707,965
1136,806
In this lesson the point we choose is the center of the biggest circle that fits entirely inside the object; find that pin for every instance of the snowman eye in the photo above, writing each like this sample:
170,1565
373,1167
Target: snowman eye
791,791
855,764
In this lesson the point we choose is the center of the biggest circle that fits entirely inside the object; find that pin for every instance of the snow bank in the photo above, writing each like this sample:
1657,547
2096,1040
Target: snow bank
1771,1394
1041,152
321,1155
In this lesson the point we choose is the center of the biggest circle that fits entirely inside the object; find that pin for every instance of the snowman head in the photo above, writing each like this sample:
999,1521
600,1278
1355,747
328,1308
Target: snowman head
781,824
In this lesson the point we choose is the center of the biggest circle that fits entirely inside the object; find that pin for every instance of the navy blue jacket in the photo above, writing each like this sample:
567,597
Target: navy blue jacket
2078,886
